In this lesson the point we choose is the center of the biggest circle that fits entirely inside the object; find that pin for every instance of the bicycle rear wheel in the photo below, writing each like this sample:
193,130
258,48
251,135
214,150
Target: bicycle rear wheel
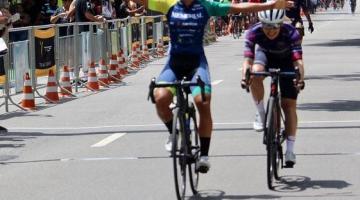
194,150
179,155
270,131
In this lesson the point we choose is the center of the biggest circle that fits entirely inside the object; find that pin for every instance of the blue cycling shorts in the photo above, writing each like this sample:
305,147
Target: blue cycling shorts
190,66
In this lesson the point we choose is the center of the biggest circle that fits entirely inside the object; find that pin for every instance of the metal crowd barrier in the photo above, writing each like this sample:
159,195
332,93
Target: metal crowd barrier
75,45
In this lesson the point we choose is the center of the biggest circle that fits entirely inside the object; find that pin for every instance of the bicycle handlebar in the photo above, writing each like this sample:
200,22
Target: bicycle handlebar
177,84
273,73
277,72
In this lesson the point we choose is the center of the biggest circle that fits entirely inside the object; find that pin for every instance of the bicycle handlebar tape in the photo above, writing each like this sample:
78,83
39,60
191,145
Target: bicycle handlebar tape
92,82
103,73
113,69
65,84
160,48
135,64
28,101
51,88
121,63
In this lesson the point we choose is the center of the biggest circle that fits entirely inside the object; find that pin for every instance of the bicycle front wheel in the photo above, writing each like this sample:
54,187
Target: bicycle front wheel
194,149
270,131
178,153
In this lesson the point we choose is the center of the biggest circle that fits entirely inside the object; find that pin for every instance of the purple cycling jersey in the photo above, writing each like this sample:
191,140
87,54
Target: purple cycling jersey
287,43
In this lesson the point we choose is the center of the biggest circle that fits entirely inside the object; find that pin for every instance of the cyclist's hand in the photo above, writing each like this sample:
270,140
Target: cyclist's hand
299,84
244,84
311,27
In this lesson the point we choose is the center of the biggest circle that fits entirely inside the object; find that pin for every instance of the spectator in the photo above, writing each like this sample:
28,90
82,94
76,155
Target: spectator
121,9
4,17
25,20
84,12
107,10
71,12
61,16
125,8
33,9
4,20
134,9
47,10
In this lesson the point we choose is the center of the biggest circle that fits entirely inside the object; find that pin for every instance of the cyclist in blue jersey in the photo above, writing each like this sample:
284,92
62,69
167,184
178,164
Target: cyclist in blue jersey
278,46
187,20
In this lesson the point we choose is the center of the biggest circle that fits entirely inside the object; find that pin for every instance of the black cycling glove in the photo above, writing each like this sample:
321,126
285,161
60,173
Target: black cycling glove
311,27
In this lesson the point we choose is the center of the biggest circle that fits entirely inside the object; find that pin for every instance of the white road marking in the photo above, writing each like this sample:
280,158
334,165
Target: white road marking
216,82
156,125
108,140
213,156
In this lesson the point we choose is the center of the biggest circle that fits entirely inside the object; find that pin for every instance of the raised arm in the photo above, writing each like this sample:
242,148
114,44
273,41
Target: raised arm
256,7
157,5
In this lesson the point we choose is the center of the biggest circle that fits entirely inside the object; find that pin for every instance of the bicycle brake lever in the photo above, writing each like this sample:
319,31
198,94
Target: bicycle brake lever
151,91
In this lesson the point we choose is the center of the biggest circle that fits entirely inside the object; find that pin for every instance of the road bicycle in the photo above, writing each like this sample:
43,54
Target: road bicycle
185,136
353,6
237,26
273,136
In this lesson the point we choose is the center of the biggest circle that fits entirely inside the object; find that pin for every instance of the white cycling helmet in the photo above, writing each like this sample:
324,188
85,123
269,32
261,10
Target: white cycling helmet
274,16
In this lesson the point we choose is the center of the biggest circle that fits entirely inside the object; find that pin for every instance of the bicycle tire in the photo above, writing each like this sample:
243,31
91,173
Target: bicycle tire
194,150
239,30
277,144
270,147
234,28
179,155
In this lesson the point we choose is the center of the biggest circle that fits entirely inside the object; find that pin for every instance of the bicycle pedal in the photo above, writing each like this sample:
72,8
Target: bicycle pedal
289,165
202,169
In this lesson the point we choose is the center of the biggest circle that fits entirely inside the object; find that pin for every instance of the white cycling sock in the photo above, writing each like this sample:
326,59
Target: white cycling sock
290,142
260,108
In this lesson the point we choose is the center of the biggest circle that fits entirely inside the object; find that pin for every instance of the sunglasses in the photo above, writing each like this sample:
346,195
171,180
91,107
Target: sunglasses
271,26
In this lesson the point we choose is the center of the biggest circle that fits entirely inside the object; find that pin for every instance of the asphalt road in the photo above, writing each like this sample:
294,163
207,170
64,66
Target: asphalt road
109,145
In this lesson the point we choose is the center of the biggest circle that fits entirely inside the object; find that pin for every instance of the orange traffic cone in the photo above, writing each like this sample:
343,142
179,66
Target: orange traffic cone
28,101
51,89
65,84
121,63
134,58
113,69
160,48
146,55
103,73
92,82
138,53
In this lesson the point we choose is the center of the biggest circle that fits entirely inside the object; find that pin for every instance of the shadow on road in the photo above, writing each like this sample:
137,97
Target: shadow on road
218,195
341,77
338,43
302,183
334,106
11,141
288,184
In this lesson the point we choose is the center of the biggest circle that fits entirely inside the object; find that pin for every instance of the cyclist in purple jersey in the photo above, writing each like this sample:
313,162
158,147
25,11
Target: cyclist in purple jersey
278,46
